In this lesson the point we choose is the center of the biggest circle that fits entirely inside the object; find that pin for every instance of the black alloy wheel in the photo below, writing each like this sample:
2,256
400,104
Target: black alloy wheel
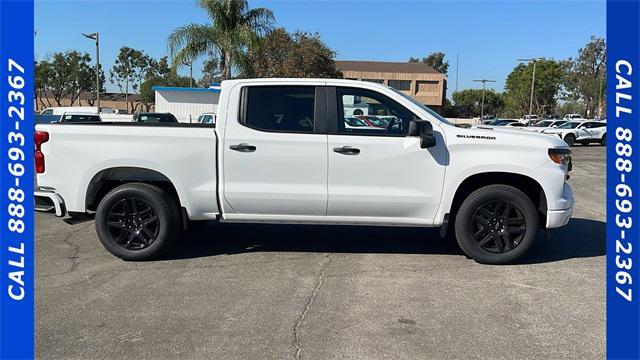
133,223
137,221
498,226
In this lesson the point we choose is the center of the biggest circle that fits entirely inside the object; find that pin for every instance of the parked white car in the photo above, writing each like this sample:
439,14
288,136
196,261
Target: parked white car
574,117
529,119
582,132
84,109
540,126
207,118
281,153
79,117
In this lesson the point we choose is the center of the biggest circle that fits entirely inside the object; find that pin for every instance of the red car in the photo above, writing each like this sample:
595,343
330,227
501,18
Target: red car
373,121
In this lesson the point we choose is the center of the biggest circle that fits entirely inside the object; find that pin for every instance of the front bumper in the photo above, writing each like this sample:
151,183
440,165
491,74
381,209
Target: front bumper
49,201
559,218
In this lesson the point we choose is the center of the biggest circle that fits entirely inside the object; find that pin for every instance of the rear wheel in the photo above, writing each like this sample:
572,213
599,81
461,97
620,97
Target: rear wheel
570,139
496,224
603,141
137,221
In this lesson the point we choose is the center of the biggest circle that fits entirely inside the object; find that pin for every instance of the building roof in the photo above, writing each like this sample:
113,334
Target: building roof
385,66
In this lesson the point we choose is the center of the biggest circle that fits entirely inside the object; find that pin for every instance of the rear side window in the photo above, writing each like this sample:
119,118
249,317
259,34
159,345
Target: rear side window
280,108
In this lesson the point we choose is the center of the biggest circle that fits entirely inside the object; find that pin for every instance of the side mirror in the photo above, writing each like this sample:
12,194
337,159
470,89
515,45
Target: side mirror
424,130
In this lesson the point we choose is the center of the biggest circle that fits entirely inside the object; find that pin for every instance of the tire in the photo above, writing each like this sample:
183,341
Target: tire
137,221
570,139
603,141
481,224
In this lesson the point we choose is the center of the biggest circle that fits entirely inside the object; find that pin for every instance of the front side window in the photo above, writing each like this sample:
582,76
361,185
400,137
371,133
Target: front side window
402,85
370,113
280,108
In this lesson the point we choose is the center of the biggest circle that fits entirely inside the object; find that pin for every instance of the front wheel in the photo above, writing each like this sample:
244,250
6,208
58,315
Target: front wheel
570,139
496,224
137,221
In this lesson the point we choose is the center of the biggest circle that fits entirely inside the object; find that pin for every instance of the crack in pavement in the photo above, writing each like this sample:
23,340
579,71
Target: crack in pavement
76,249
296,327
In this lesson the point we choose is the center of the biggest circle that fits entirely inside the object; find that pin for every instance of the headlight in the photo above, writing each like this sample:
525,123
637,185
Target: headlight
560,156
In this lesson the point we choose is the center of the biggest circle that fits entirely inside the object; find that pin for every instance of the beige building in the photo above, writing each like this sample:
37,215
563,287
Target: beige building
415,79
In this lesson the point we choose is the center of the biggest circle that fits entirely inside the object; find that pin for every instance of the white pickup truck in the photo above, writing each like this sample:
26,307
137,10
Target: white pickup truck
281,152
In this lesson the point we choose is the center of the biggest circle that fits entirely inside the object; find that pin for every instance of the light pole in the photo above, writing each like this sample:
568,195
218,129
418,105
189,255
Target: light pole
533,82
484,83
95,36
190,64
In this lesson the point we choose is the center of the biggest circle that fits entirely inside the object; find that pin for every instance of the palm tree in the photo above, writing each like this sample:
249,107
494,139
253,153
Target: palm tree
233,30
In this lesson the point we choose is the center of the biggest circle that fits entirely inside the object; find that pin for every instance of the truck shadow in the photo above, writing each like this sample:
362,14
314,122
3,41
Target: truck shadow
580,238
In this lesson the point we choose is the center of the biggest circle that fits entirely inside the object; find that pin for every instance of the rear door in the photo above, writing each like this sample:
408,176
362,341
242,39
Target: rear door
380,175
275,154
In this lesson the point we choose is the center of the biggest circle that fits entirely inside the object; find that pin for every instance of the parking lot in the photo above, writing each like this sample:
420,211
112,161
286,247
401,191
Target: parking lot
288,292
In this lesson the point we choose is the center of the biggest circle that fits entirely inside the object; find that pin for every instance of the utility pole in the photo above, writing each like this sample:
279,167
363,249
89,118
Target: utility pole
484,84
533,81
95,36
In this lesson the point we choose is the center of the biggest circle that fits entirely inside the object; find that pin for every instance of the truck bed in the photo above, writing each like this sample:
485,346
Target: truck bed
78,154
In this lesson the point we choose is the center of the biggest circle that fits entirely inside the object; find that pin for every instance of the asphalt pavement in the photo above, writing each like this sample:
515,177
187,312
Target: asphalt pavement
233,291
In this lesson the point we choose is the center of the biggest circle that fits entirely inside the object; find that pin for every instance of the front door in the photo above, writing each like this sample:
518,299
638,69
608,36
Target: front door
377,172
275,154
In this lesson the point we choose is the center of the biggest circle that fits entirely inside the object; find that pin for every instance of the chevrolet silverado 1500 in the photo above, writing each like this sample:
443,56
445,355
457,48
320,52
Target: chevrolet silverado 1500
282,152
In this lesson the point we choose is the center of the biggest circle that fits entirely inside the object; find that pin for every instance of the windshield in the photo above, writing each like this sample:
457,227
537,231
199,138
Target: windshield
543,124
424,107
569,125
501,122
157,118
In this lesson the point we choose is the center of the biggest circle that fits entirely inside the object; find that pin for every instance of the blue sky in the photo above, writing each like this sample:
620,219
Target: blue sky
488,35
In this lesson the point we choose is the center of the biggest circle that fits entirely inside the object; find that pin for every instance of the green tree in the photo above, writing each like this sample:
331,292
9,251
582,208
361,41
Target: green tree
550,76
92,82
587,79
126,70
469,101
66,75
170,78
234,29
211,73
301,54
42,82
434,60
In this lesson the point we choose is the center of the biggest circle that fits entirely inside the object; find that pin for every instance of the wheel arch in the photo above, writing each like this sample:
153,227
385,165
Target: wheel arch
528,185
107,179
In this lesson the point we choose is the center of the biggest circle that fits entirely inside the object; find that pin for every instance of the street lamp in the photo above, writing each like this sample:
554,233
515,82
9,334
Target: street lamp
94,36
533,81
484,83
190,64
